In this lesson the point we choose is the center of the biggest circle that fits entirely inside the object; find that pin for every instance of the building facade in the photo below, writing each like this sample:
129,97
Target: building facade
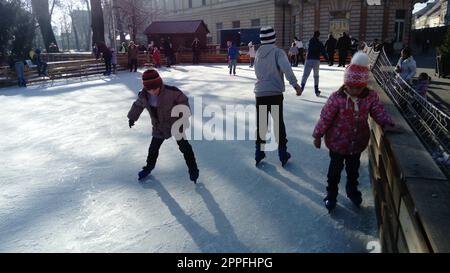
435,14
386,20
226,15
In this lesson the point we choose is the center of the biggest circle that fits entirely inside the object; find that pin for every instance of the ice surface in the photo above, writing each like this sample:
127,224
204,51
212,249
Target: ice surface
69,165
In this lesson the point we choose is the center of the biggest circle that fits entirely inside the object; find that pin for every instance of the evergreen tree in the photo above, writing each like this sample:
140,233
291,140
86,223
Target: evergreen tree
17,31
444,49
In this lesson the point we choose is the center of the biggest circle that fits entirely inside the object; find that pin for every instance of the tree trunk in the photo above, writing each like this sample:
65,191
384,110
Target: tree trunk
75,33
42,13
89,30
119,21
98,28
133,23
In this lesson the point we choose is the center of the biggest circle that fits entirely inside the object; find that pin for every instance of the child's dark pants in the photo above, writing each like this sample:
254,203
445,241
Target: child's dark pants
352,163
184,147
280,129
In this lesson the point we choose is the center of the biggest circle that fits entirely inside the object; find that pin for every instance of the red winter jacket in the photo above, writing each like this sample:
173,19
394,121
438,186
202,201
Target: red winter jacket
344,123
156,57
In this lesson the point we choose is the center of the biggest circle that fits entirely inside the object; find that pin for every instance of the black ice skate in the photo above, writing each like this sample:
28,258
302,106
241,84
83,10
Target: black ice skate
144,173
330,203
355,196
283,154
259,155
193,175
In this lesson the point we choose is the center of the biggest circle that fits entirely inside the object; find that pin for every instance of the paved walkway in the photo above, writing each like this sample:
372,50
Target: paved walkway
439,91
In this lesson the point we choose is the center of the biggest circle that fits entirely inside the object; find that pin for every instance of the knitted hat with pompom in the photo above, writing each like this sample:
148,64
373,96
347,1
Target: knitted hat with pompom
151,79
357,73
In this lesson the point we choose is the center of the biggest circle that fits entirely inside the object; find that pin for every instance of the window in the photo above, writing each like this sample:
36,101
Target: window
255,22
203,2
294,29
400,16
219,26
339,22
190,4
236,24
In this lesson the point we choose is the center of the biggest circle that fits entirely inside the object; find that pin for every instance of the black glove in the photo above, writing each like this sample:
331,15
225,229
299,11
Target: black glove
131,123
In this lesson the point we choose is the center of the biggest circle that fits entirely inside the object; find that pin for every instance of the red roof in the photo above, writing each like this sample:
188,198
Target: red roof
176,27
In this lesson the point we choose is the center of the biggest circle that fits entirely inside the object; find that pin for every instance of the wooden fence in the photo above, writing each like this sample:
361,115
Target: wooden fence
412,195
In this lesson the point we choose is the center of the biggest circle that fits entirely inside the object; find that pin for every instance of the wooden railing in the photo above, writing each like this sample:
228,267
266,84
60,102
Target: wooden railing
412,195
86,64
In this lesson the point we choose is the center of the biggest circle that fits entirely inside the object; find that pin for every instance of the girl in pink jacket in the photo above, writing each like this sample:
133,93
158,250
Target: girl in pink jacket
343,123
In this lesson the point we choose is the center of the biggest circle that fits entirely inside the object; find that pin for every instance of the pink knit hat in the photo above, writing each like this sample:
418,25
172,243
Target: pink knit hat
357,73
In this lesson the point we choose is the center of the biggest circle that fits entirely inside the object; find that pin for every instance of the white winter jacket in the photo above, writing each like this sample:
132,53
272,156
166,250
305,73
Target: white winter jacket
407,68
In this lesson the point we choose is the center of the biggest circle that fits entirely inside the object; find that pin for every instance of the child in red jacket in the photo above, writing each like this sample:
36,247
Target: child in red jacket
156,57
343,122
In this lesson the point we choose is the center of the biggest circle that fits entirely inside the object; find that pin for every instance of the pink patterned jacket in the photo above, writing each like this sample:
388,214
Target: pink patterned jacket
344,123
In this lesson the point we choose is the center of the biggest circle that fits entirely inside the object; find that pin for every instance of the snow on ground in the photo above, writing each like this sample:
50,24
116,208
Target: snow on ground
69,174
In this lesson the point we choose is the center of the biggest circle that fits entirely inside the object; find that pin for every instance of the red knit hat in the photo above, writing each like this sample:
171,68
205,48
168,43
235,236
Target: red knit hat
151,79
357,73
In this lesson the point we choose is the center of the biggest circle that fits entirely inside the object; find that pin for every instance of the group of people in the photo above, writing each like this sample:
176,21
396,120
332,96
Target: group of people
109,56
29,59
343,119
316,49
36,59
296,52
343,46
407,69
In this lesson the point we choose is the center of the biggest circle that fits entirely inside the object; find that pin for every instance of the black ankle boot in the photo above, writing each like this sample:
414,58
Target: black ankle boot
354,195
330,202
259,155
193,175
283,154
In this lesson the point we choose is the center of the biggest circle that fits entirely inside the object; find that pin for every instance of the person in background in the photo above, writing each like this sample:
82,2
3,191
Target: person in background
52,48
95,51
330,47
150,46
354,43
168,52
293,54
41,65
133,52
251,53
315,49
376,45
406,65
156,57
233,54
123,48
113,60
17,62
301,51
195,51
343,46
106,54
422,84
32,56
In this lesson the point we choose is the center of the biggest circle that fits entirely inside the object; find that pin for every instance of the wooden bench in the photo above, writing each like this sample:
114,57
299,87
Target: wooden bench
56,70
8,75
